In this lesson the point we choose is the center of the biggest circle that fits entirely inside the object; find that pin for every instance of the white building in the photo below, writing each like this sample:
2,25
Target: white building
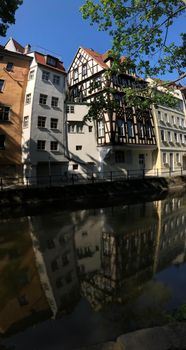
43,131
123,140
170,126
43,123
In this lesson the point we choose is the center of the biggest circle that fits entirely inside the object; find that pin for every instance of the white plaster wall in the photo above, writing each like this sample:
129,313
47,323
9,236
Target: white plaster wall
86,139
47,134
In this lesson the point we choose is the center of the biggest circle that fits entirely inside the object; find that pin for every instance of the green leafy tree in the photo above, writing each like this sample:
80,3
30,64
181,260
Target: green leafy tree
140,30
7,14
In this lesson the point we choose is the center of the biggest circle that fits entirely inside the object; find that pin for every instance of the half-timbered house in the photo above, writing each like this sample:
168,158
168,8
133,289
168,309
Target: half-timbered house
124,136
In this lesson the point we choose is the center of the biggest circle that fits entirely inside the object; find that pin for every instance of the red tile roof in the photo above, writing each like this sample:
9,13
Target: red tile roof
42,59
99,58
18,47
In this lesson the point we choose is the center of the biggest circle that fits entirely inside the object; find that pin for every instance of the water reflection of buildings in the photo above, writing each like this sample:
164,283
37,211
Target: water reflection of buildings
137,249
106,255
53,243
22,301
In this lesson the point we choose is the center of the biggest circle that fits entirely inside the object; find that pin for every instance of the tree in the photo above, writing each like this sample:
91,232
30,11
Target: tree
140,30
7,14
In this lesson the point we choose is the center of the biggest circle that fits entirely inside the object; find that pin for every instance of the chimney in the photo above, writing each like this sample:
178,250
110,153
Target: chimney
27,49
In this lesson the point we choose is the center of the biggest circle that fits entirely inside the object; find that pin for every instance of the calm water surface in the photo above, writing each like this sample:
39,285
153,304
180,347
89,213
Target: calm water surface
70,279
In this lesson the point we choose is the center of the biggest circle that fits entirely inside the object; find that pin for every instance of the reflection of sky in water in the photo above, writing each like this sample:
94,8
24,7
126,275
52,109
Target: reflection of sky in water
174,278
127,267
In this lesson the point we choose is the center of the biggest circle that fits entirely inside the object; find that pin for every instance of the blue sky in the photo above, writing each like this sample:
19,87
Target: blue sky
57,26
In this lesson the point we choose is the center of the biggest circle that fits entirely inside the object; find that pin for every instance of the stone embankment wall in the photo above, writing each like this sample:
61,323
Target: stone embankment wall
33,200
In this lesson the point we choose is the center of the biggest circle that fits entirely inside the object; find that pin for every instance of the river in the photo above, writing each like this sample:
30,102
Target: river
74,278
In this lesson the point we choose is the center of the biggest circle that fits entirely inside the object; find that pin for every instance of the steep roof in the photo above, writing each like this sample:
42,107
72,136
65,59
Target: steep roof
42,59
99,58
18,47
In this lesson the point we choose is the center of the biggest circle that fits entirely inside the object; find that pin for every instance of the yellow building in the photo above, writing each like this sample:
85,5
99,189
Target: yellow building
13,79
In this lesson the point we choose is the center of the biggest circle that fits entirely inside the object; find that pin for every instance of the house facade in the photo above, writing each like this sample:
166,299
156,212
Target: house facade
171,136
43,139
14,68
124,139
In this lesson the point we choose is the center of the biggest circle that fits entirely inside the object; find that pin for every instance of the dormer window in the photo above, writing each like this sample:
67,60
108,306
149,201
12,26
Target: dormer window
52,61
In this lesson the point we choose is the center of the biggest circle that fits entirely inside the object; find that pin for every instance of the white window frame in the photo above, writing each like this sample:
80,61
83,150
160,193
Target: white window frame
41,121
31,74
52,148
54,102
43,99
41,145
164,158
56,79
54,123
28,99
45,75
25,121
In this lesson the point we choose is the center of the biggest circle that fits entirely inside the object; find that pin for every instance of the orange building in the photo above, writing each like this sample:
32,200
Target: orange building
14,69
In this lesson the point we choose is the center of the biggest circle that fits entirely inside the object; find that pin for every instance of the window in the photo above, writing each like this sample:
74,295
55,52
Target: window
71,127
28,99
31,75
25,121
43,99
78,147
175,137
54,265
53,123
119,157
169,136
184,138
90,128
164,158
41,145
130,127
56,79
166,117
54,102
45,75
1,85
159,115
148,130
4,113
9,66
177,158
2,142
70,109
84,69
182,122
140,130
75,74
52,61
41,122
162,135
65,260
121,129
172,118
178,121
79,128
75,166
101,129
53,145
181,138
